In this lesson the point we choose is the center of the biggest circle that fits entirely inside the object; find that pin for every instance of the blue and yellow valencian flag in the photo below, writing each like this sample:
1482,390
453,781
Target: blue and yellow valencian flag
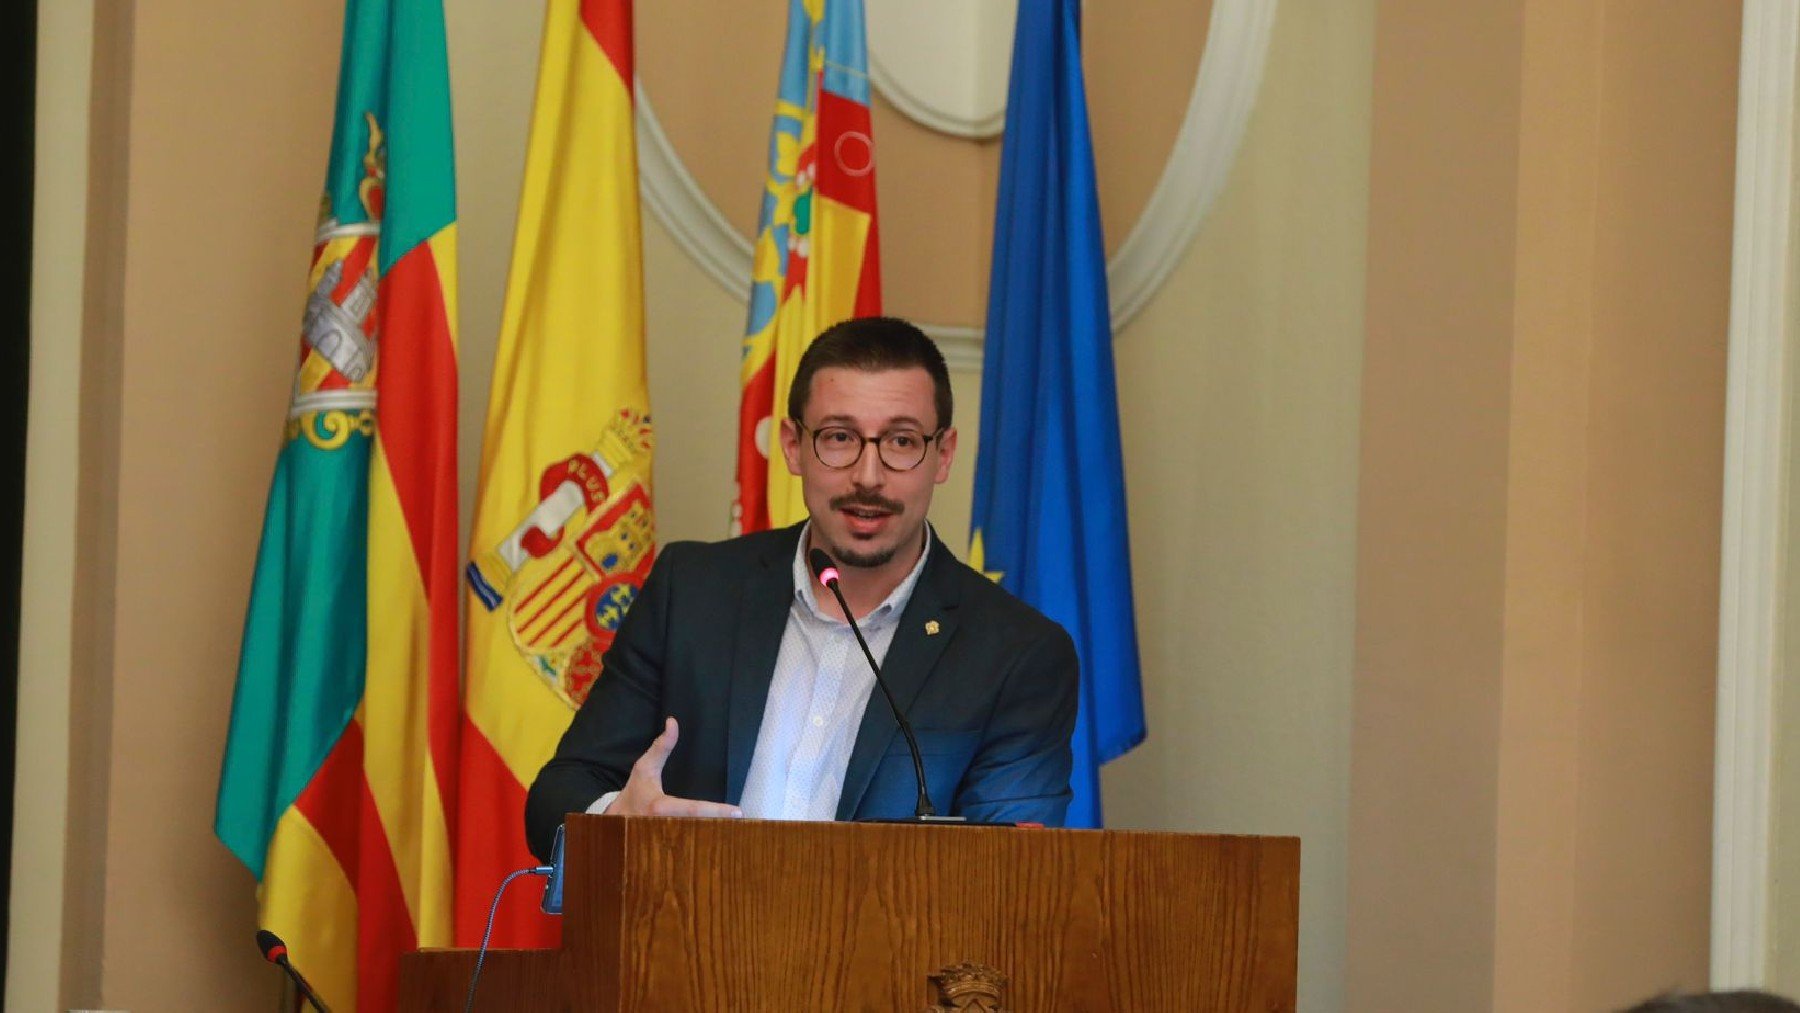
339,777
817,252
1049,511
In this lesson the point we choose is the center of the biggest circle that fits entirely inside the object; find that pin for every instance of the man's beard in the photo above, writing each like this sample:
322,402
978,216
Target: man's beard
867,559
863,560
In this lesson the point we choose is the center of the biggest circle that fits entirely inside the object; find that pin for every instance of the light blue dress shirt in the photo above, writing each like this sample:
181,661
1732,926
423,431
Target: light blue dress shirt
822,683
816,699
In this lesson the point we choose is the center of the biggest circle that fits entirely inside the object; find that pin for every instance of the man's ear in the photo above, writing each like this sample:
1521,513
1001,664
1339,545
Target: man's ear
946,453
790,445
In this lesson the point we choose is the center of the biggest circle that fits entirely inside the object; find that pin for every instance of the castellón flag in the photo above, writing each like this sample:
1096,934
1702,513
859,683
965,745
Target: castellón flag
816,257
338,787
563,535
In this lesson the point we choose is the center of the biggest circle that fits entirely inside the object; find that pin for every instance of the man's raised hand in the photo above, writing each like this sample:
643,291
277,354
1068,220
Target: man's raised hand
643,792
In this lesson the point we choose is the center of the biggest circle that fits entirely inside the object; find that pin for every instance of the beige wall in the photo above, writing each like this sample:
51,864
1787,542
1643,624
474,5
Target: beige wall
89,683
1239,385
1437,597
1539,719
1431,511
1662,291
1549,263
1784,850
65,45
229,113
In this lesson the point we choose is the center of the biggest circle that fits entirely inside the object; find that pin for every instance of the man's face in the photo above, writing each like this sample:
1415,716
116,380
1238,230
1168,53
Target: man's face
865,514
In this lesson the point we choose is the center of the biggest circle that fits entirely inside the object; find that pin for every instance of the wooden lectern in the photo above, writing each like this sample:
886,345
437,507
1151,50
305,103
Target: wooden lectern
664,914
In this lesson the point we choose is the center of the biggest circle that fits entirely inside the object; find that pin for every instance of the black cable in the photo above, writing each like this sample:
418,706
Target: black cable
488,933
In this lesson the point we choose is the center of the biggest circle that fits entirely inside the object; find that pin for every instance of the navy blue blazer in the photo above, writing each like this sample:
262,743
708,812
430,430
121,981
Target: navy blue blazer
991,695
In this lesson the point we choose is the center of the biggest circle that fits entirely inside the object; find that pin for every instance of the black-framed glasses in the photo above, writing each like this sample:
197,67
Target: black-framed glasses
840,447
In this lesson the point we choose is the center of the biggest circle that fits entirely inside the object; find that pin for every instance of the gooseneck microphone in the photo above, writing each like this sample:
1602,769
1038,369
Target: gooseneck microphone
826,573
275,952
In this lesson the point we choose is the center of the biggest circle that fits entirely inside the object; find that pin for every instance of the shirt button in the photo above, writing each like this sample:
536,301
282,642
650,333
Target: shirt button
818,722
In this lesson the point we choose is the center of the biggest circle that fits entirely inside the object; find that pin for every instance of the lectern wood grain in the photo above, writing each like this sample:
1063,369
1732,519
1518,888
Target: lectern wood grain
750,915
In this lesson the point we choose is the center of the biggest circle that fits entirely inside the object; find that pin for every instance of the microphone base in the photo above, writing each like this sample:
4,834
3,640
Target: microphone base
931,820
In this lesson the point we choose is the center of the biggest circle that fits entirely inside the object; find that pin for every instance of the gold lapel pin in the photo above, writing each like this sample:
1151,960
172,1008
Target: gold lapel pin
932,627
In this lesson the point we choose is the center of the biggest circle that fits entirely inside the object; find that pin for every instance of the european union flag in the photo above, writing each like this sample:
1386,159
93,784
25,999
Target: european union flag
1049,517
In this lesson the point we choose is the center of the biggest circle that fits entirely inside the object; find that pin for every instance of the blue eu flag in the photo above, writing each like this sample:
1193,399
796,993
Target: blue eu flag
1049,517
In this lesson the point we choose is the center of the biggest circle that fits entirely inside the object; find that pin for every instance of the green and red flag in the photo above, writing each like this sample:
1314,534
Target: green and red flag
338,787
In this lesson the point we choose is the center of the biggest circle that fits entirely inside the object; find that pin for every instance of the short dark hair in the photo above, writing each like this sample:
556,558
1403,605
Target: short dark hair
872,344
1743,1001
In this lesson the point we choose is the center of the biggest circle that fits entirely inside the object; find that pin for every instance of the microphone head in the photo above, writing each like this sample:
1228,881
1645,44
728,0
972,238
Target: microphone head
273,949
822,567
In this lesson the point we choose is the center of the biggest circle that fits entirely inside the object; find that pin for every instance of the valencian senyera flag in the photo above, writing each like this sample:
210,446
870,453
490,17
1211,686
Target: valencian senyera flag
815,258
1049,509
563,534
338,787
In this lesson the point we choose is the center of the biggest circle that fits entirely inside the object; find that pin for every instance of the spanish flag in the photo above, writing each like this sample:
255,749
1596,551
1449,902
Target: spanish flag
817,256
563,535
338,787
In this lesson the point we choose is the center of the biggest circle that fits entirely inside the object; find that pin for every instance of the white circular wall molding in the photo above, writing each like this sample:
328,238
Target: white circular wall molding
944,63
1205,148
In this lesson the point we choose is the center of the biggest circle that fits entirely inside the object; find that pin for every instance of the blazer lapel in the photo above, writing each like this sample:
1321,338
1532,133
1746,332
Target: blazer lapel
911,657
761,622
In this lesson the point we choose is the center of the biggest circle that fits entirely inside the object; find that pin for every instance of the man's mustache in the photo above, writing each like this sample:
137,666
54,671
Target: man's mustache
867,499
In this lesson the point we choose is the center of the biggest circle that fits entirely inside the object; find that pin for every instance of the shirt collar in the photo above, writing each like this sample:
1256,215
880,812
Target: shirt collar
891,605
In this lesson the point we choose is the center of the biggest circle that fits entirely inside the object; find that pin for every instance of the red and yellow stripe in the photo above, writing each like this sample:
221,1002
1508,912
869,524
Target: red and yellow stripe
360,867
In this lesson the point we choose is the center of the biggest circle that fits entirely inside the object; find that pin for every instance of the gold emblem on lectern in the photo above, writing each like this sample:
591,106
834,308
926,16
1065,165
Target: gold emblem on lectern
968,988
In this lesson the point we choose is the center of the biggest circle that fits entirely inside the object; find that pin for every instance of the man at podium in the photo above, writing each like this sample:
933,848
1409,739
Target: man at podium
735,687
